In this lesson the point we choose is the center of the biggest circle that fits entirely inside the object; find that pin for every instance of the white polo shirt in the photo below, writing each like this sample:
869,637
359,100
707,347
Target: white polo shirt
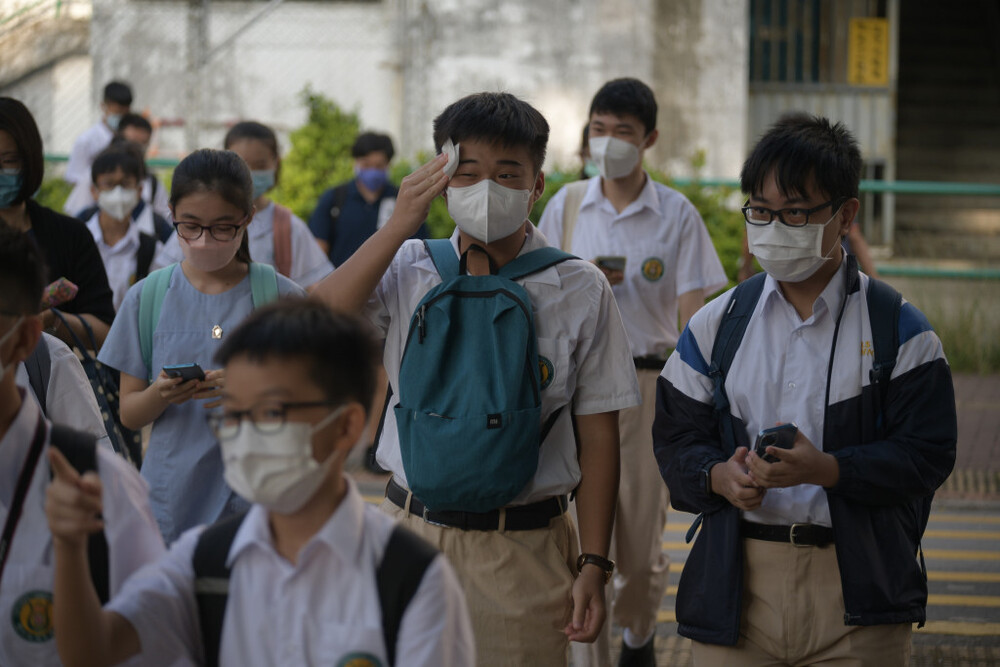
322,610
26,634
81,157
309,263
579,332
119,259
668,253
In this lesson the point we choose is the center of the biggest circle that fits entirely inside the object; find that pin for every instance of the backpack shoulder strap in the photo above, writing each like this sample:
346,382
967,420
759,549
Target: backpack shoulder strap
211,581
162,228
443,255
727,340
144,256
263,284
339,197
533,262
398,576
575,192
154,289
80,449
282,240
39,367
884,304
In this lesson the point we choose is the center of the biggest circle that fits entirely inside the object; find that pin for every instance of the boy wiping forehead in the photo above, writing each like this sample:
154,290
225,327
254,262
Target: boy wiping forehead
528,594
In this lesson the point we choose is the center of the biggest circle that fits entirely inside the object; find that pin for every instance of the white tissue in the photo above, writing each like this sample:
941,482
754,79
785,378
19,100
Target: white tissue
451,150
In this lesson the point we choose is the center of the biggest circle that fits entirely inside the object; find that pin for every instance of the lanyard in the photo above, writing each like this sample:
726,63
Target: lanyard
20,491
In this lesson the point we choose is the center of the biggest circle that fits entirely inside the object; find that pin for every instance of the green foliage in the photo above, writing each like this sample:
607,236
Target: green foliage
967,338
53,193
320,156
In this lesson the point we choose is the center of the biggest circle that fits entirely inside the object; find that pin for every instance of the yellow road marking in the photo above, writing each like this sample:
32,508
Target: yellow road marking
965,600
666,616
965,518
976,577
953,554
963,534
960,628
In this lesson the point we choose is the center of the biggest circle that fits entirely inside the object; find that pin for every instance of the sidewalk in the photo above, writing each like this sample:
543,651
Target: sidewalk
977,465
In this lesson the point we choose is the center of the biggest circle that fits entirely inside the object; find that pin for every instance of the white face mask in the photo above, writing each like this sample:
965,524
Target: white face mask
487,211
613,156
790,254
3,340
277,470
118,202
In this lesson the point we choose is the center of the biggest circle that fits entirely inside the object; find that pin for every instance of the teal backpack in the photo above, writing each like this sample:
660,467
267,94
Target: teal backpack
263,290
469,413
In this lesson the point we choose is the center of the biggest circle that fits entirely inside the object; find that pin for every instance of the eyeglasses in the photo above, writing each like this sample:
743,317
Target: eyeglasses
792,217
266,419
192,231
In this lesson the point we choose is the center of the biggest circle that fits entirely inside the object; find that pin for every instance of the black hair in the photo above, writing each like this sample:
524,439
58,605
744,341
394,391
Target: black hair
118,93
336,347
134,120
802,150
249,129
222,172
626,96
124,156
22,272
372,142
496,118
585,138
17,121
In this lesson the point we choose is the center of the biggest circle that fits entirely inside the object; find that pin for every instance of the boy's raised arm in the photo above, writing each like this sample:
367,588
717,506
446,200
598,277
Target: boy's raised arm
349,287
86,634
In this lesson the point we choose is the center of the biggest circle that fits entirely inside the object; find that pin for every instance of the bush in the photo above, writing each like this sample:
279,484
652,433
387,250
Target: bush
53,193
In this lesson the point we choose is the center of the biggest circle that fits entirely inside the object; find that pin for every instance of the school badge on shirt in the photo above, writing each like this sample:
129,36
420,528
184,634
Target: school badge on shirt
546,371
359,660
652,269
31,616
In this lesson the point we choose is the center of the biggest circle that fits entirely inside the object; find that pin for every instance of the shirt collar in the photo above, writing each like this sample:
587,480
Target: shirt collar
648,196
341,534
263,222
130,239
831,296
533,239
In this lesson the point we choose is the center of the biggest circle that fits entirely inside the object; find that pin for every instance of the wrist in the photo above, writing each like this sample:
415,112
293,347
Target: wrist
829,471
595,565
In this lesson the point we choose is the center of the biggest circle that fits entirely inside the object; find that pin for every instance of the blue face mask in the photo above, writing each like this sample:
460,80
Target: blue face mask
113,120
10,186
263,181
590,169
373,179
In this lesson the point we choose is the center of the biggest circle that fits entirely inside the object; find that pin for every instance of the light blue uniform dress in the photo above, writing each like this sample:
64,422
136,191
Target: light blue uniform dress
183,464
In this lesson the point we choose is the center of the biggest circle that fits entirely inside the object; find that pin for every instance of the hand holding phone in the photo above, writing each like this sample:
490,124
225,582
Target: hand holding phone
611,262
58,293
778,436
186,372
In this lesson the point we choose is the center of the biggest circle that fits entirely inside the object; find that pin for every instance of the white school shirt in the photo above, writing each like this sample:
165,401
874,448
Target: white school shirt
309,263
81,198
86,147
322,610
580,334
26,636
668,253
119,259
69,397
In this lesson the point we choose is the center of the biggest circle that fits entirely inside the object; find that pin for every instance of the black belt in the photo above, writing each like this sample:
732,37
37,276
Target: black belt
798,534
649,363
520,517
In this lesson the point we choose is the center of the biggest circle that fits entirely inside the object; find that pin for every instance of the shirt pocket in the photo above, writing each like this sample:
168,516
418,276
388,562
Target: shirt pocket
340,644
553,372
26,604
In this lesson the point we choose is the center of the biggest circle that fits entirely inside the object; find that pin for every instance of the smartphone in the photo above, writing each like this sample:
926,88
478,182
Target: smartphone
185,371
611,262
779,436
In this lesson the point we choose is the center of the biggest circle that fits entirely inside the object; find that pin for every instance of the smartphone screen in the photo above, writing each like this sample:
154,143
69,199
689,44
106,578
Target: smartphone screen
185,371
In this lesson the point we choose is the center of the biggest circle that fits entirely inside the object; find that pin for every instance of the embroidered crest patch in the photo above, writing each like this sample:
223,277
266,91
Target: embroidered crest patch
546,371
31,616
652,269
359,660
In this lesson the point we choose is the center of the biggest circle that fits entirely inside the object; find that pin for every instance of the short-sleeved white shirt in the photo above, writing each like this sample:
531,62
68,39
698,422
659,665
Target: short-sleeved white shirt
668,253
120,258
86,147
318,611
579,332
309,263
26,636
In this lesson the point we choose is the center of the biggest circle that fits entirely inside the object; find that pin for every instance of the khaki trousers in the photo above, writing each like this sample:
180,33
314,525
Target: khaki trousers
518,586
642,569
793,614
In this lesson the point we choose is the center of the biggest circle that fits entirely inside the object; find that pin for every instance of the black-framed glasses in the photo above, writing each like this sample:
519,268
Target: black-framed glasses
266,418
192,231
792,217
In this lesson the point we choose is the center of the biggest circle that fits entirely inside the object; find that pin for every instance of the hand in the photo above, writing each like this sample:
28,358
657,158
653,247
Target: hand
589,610
614,276
731,481
175,390
416,193
802,464
211,387
72,503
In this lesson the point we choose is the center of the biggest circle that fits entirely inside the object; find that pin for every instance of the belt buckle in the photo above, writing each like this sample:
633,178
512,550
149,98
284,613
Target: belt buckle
791,534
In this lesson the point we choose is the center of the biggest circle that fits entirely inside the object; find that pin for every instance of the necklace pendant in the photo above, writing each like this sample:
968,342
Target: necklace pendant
216,332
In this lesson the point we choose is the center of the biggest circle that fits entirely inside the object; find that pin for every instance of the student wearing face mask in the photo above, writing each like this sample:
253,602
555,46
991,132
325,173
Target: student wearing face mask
276,235
181,314
501,519
828,525
653,246
302,576
115,103
126,249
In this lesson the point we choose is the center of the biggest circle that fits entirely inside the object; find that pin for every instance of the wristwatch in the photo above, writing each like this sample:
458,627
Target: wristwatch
706,477
607,565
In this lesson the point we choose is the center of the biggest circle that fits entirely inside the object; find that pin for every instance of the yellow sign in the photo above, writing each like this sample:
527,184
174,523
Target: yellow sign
868,52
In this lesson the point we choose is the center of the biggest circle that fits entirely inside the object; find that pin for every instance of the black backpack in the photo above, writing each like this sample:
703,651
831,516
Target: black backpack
398,577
